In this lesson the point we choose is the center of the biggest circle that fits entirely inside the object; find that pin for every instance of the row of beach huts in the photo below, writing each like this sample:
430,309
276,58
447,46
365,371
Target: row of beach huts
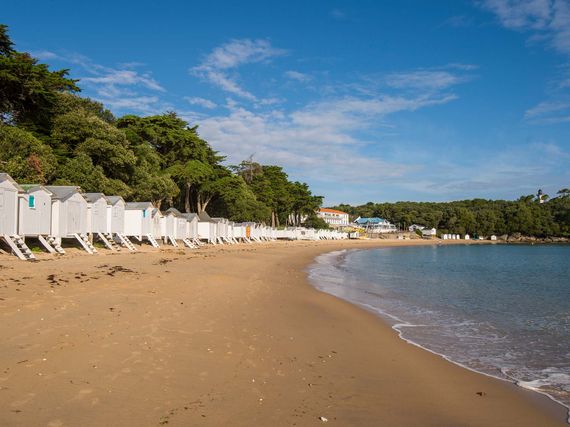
53,214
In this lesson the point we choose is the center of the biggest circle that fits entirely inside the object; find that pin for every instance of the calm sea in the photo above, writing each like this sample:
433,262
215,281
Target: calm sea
503,310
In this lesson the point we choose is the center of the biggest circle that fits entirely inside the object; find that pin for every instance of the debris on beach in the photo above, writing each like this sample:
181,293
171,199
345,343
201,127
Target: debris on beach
323,419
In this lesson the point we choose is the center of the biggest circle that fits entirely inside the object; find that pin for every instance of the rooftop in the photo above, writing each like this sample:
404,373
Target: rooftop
327,210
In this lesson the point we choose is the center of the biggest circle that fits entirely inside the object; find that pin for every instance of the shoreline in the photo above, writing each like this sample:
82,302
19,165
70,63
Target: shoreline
238,329
396,324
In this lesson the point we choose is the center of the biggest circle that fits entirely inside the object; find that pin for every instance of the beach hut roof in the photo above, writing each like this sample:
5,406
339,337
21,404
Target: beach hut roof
115,199
190,216
138,205
375,220
6,177
155,212
204,217
29,188
63,192
172,211
93,197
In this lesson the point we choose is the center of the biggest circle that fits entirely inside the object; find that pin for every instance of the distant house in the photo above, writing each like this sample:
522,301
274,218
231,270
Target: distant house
375,225
493,237
333,217
415,227
429,232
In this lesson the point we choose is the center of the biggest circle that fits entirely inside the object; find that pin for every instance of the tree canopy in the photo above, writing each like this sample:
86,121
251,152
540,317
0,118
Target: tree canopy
478,217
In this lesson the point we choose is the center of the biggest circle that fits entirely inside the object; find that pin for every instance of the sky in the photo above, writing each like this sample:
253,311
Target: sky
363,100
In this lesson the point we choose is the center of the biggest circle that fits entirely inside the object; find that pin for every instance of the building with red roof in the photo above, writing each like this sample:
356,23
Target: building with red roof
334,218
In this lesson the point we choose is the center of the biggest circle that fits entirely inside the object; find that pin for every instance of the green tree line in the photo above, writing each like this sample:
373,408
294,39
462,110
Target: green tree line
51,135
478,217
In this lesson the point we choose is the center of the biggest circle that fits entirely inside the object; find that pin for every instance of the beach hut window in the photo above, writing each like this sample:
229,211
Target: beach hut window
32,202
144,213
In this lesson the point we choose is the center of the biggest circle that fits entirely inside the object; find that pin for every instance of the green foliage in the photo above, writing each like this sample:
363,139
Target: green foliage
28,89
478,217
313,221
24,157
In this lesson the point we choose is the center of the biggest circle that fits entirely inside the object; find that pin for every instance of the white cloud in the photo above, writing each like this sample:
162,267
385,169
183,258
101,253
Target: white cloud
545,19
549,112
546,107
423,79
216,66
202,102
319,141
124,78
120,88
338,14
44,55
296,75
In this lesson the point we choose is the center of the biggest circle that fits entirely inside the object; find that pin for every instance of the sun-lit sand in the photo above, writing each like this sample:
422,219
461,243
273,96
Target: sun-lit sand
222,336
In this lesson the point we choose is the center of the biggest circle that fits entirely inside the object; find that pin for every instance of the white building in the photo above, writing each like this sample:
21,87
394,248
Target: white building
334,218
376,225
415,227
34,216
9,191
429,232
69,215
139,222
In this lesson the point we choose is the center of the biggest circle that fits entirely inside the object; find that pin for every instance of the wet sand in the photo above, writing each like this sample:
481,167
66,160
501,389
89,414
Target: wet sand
222,336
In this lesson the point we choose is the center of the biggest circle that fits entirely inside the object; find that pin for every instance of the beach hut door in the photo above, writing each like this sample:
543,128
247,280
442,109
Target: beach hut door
74,217
2,217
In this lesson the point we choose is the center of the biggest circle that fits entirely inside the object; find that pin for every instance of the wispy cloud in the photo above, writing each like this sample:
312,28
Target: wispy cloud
547,20
424,80
298,76
338,14
319,141
546,108
121,88
113,77
217,65
202,102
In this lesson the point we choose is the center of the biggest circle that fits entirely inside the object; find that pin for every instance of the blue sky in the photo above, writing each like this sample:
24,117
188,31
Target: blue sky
364,100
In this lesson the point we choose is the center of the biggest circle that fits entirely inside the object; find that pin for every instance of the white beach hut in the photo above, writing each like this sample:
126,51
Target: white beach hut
9,191
98,219
158,224
222,227
178,228
138,222
69,215
34,216
207,228
192,228
116,222
171,223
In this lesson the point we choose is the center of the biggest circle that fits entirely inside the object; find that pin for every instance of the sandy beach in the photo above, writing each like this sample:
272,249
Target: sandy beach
222,336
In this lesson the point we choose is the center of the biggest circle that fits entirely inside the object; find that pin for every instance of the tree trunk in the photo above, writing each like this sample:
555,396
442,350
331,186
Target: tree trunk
273,218
187,197
201,205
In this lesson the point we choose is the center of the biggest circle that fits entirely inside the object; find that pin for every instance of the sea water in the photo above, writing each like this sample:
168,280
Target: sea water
502,310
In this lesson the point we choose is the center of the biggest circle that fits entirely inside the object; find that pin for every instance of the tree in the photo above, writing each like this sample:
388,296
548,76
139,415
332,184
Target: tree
25,157
189,173
313,221
28,89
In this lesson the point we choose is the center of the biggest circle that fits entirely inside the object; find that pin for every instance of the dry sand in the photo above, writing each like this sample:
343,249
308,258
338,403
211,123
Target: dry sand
230,336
